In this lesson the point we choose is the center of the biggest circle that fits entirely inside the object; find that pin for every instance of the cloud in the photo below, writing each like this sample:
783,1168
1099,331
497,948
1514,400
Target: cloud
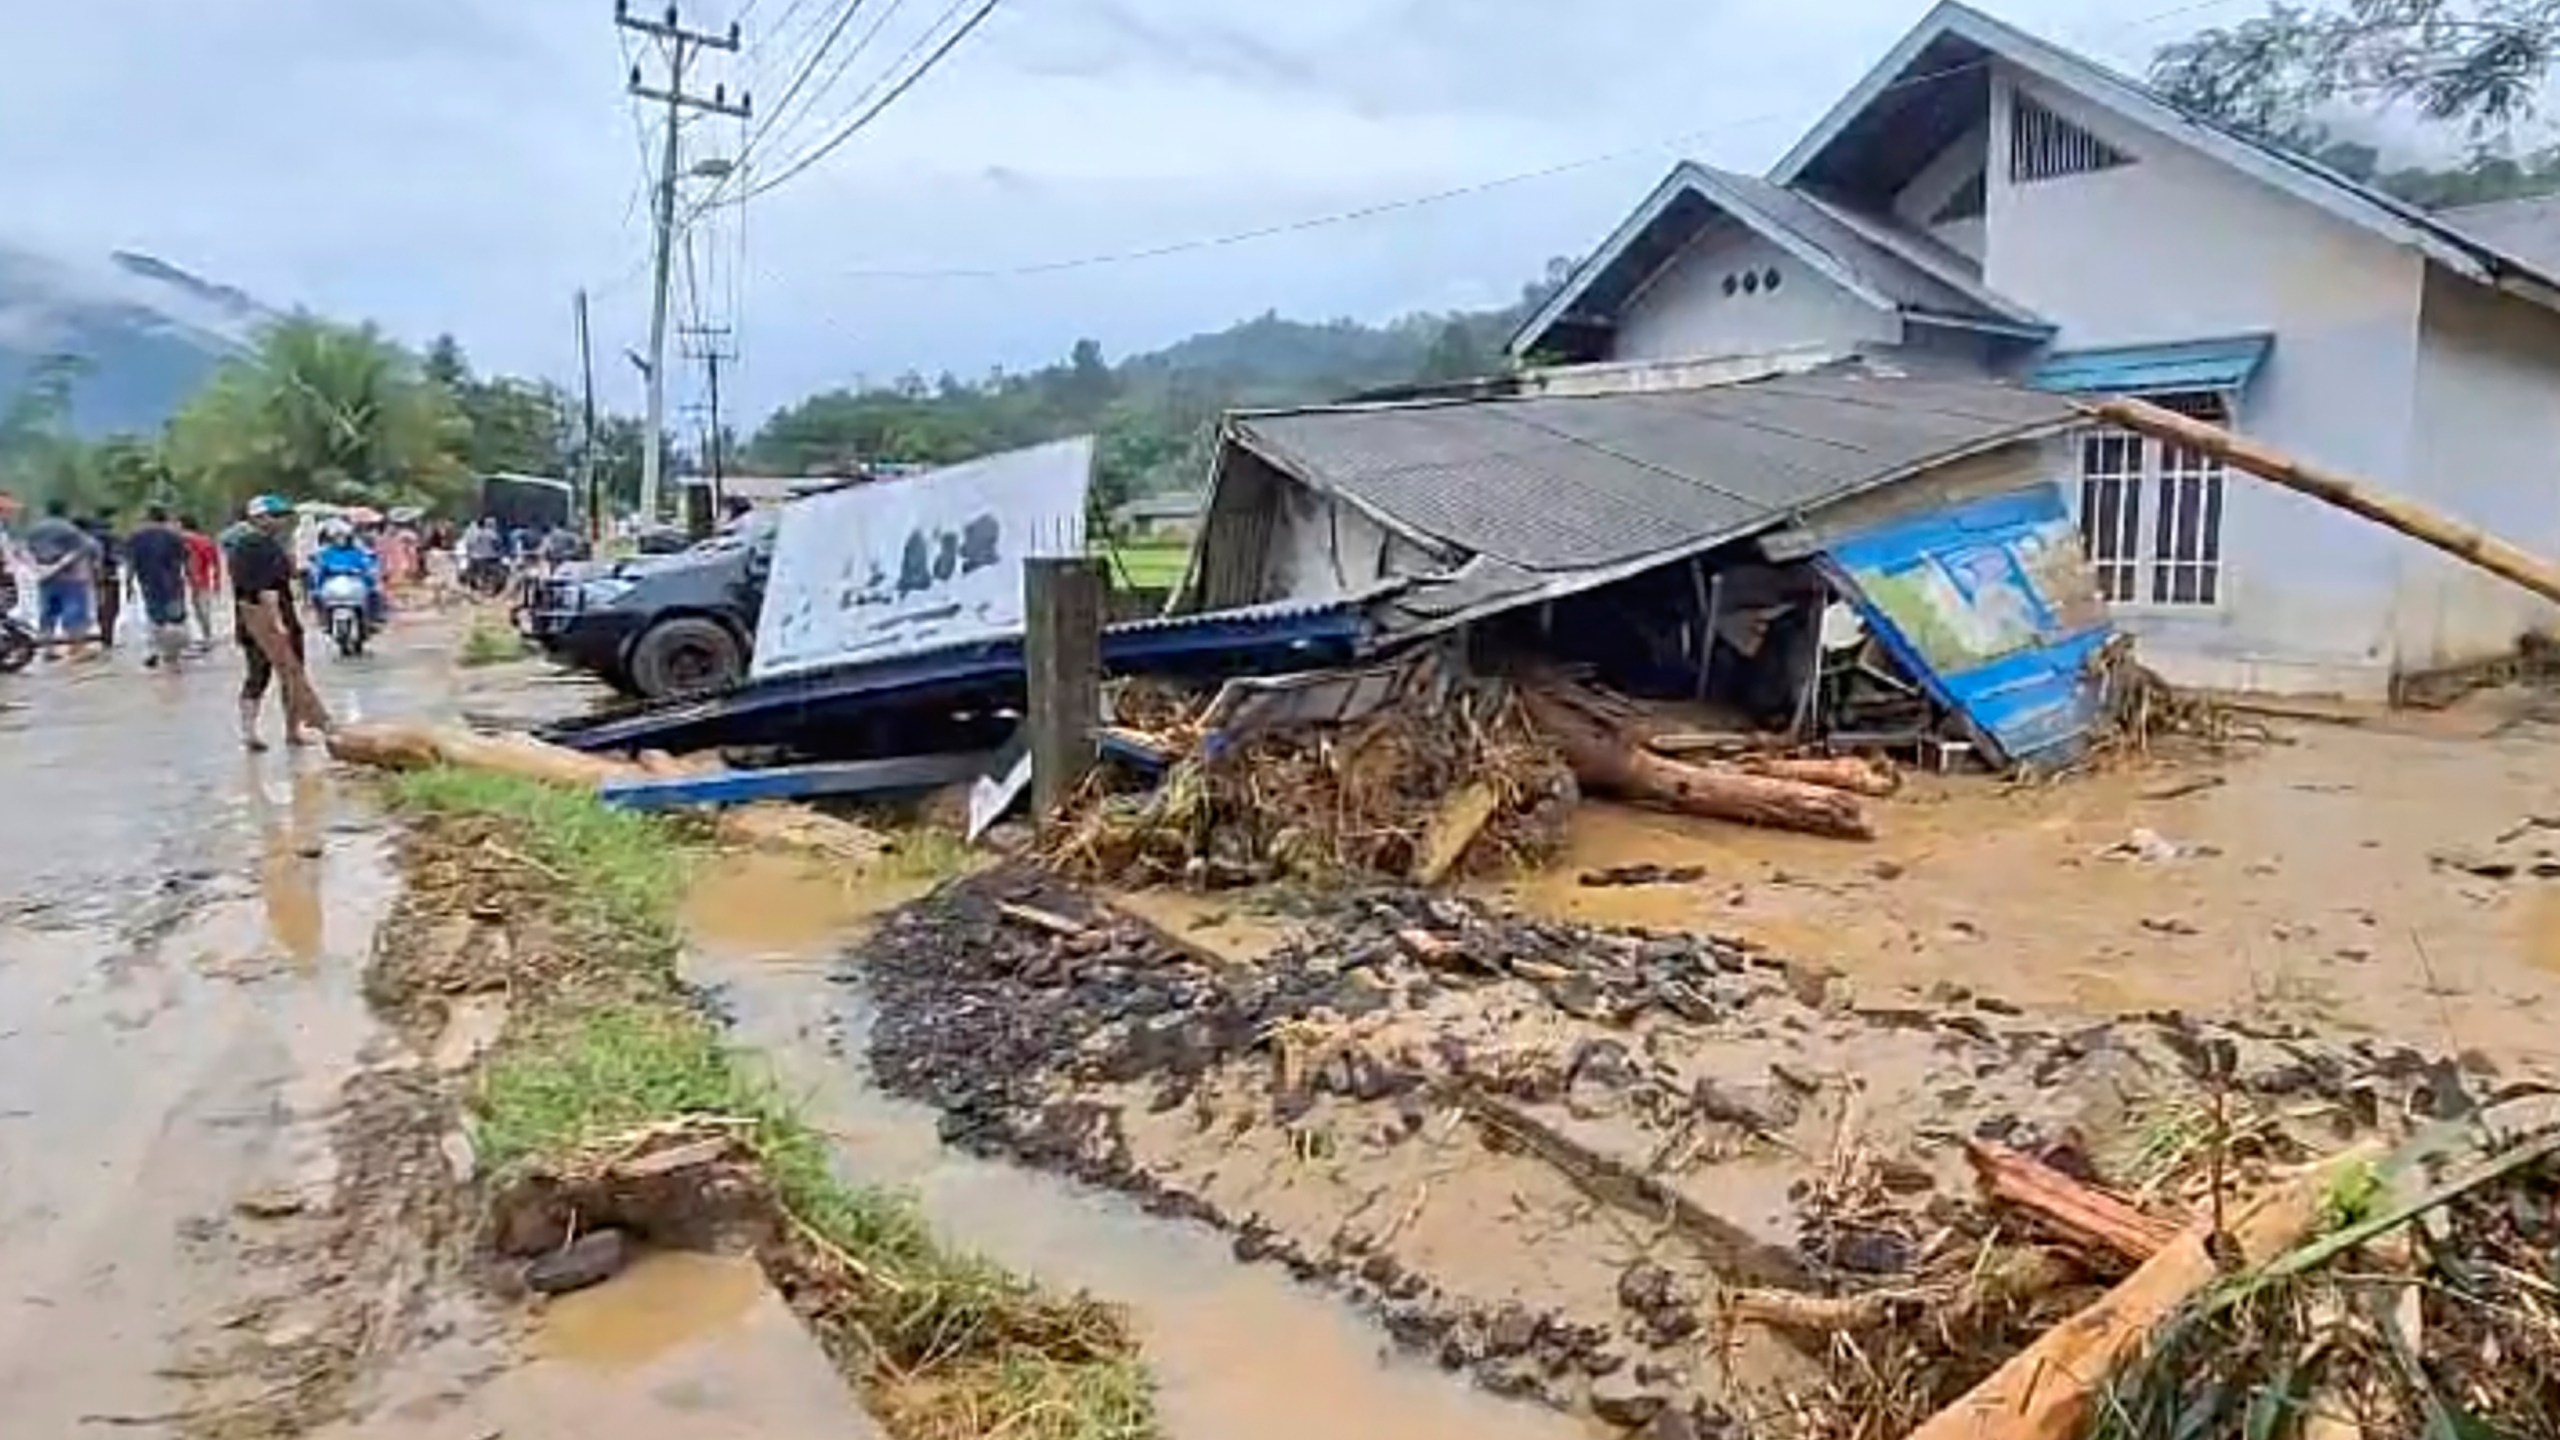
464,165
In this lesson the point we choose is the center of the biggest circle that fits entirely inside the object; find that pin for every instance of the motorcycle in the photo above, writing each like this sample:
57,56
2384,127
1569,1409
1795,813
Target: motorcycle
346,604
18,644
487,579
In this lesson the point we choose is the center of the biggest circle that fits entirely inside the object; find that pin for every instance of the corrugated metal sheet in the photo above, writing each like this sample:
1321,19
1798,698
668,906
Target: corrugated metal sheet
1555,484
2224,364
1991,606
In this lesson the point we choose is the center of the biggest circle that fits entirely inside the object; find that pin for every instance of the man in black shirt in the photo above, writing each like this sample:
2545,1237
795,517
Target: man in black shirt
156,555
110,575
262,594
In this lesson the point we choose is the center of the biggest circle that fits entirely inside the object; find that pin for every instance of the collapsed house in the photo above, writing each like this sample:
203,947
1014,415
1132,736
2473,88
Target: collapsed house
1872,560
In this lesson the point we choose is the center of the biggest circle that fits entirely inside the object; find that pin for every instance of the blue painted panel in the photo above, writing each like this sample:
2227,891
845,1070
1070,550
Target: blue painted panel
2155,369
1991,606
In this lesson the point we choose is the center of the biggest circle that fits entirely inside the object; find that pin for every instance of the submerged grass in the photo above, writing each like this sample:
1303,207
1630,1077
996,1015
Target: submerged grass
947,1344
490,644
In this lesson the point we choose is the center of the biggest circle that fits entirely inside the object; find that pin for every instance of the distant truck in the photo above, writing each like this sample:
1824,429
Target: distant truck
527,502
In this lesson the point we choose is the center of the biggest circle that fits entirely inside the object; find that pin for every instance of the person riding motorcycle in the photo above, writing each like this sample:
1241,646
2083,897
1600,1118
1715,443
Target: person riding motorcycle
340,554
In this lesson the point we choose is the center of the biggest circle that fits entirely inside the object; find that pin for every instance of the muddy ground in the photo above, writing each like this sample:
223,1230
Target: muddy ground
1539,1132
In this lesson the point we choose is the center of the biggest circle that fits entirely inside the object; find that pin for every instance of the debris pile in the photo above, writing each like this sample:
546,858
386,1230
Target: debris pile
1423,782
1441,1108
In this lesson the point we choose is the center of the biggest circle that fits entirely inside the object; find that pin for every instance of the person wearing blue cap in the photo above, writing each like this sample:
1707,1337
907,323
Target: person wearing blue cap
262,596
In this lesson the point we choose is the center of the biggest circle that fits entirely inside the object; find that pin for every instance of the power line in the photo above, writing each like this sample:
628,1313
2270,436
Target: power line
782,131
905,83
817,55
1415,202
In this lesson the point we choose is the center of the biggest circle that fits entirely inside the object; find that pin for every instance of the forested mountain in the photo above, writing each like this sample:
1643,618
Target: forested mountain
139,333
1155,414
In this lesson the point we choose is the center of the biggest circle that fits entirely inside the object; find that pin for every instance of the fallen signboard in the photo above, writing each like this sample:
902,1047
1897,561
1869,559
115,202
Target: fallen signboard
902,566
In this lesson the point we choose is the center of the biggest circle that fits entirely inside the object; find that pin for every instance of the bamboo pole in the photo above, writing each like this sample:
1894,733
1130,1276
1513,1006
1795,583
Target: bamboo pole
2457,538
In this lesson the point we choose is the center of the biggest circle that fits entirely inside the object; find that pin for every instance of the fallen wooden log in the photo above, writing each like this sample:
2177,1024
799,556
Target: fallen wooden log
395,746
2048,1390
2087,1217
1838,772
1605,757
2458,538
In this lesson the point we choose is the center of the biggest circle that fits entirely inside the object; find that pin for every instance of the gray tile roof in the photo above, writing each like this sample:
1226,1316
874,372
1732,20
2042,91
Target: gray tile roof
1889,272
2524,231
1558,483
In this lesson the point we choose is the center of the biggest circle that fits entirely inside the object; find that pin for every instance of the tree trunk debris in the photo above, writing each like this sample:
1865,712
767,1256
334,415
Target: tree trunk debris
395,746
2088,1217
2048,1390
1607,754
2458,538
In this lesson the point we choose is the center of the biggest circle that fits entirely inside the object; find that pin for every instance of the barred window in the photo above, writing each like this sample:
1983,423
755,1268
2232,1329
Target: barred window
2044,146
2177,558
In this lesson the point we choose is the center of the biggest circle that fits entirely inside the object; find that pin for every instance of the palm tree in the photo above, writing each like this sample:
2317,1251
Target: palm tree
318,411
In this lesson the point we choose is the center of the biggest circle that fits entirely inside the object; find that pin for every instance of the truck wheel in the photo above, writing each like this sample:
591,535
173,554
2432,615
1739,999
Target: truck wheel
685,654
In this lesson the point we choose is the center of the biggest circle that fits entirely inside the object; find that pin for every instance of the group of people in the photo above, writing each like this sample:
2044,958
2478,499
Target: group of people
83,568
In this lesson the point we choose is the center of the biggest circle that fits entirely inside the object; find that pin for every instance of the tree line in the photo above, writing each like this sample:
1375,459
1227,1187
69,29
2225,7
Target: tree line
322,410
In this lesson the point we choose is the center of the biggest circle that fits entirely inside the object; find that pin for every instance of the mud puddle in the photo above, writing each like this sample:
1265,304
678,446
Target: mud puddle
2318,881
168,1056
1239,1353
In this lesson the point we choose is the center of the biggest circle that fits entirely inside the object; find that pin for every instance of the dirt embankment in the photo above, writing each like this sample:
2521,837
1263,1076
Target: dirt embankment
1549,1155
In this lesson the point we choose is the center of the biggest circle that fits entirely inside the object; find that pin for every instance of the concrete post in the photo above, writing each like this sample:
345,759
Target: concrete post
1062,651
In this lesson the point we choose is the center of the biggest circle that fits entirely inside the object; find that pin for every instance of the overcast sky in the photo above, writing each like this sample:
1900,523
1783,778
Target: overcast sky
463,165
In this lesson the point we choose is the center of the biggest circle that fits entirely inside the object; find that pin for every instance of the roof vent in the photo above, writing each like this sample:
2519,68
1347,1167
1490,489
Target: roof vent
2044,146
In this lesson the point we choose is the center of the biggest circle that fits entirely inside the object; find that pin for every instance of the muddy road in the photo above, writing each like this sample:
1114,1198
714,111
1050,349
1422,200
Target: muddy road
182,928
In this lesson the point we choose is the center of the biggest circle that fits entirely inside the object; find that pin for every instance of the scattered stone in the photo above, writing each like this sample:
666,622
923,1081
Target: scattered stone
1512,1331
1760,1109
1619,1399
1671,1424
2170,925
270,1204
591,1259
1888,869
1645,1287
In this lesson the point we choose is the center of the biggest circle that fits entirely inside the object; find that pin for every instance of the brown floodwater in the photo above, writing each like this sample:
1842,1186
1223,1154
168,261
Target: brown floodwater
665,1299
2306,885
1239,1352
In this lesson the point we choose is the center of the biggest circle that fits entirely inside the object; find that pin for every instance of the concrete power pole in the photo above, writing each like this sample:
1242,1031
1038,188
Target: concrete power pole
587,427
710,344
678,44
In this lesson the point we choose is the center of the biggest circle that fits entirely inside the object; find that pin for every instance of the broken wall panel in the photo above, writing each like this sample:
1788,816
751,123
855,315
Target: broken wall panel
1990,605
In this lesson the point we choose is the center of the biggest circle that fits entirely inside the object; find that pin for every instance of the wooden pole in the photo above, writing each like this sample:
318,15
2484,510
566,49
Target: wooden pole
2457,538
1062,651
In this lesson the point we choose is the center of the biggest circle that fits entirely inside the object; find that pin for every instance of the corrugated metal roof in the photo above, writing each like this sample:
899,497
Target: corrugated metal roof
1573,483
2225,364
2525,231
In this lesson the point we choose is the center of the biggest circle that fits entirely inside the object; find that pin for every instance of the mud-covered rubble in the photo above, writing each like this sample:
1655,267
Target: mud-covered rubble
1540,1152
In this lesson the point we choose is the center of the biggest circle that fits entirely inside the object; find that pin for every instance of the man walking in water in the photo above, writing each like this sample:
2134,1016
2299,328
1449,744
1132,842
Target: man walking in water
157,555
262,589
66,565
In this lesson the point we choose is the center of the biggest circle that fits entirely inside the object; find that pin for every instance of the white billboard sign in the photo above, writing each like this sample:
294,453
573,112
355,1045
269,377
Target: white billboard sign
898,566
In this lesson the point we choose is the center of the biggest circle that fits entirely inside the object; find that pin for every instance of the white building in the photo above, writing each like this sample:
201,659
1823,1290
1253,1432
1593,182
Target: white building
1986,202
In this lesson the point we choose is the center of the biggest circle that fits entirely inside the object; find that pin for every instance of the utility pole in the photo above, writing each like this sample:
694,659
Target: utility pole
677,43
587,428
710,344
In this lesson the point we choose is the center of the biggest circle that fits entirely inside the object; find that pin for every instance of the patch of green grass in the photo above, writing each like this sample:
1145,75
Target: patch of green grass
627,867
486,644
953,1346
925,852
1149,564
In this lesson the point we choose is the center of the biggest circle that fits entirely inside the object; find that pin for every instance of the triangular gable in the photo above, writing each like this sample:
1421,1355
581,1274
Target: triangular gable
1848,251
1956,29
1668,220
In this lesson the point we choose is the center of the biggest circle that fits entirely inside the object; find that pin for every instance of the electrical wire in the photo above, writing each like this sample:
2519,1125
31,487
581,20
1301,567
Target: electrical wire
817,55
782,132
907,82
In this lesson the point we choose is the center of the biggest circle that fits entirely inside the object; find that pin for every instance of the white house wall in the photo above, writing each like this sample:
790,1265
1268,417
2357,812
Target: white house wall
2180,247
2488,451
1683,312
